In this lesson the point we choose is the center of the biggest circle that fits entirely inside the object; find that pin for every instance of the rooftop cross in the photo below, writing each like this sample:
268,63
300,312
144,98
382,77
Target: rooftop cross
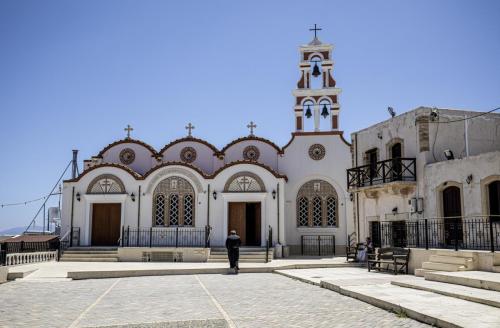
315,29
190,128
128,129
251,126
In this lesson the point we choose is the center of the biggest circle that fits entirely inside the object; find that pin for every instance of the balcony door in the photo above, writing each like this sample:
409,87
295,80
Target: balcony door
396,154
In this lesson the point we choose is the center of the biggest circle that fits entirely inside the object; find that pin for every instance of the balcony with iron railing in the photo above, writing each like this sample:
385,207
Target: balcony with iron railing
390,170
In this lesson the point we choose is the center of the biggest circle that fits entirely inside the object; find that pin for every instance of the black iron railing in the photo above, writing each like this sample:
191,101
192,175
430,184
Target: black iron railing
317,245
166,237
395,169
474,233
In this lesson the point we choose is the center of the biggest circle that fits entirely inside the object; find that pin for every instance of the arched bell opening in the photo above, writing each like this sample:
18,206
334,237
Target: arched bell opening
316,72
308,114
325,110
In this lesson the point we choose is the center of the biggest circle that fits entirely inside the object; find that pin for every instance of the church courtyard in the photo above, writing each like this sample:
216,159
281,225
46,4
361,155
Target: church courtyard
216,300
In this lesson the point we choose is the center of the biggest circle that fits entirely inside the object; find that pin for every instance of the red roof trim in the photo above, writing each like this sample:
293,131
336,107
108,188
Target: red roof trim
201,141
254,138
134,174
139,142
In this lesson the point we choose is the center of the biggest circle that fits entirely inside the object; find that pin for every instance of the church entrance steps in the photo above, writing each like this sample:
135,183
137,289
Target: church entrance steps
482,296
451,261
465,261
435,303
476,279
422,272
247,255
90,254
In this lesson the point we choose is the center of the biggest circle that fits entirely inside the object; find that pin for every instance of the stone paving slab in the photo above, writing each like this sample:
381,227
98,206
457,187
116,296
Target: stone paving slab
93,270
376,289
476,279
244,300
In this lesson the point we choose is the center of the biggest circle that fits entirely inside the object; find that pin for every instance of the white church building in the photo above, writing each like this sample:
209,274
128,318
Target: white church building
191,193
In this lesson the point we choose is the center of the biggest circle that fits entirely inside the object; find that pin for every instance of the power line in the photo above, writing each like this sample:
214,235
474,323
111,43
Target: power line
28,201
466,118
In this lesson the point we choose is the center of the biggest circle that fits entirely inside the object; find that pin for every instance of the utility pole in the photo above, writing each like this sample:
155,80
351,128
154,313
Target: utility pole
74,164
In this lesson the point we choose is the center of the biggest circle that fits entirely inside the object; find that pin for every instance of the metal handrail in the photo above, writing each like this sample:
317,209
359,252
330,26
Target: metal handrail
394,169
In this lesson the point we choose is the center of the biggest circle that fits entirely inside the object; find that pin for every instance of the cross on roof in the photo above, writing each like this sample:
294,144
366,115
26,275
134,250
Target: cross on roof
128,129
190,128
251,126
315,29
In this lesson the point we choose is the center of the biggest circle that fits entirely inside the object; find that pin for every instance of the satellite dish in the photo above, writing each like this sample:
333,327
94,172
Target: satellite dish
391,111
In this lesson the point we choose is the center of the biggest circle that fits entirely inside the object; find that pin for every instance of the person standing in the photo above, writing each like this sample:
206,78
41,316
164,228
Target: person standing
233,243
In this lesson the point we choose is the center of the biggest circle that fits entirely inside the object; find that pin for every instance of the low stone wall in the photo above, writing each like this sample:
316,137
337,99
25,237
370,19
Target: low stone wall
27,258
4,271
485,259
163,254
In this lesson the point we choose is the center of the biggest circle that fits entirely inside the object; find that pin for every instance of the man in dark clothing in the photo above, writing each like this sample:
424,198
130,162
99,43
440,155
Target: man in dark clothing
233,243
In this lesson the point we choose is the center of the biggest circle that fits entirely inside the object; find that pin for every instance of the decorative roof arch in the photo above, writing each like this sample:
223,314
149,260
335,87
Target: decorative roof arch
252,138
270,170
134,174
188,139
124,141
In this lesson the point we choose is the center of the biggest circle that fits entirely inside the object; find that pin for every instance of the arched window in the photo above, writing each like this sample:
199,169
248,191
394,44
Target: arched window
244,182
159,207
317,205
106,184
174,203
303,215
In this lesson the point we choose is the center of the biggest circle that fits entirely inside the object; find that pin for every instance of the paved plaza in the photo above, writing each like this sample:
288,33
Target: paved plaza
217,300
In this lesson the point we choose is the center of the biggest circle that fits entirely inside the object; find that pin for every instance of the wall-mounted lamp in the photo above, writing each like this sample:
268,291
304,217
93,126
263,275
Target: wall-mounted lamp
469,179
351,196
274,194
395,210
132,196
214,194
379,135
78,196
449,154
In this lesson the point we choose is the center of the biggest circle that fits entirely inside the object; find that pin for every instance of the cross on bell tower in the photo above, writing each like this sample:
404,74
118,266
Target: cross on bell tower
321,101
128,129
189,127
251,126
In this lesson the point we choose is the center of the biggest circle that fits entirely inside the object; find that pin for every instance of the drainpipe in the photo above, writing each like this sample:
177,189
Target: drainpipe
71,220
138,214
208,205
357,195
278,202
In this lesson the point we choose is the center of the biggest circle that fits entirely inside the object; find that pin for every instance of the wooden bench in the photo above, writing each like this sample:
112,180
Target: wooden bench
393,259
352,251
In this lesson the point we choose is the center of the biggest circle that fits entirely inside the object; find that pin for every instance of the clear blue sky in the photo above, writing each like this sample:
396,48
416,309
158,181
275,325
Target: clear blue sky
74,73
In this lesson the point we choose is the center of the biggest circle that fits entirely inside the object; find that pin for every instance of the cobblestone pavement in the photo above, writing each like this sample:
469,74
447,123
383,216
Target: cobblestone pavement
245,300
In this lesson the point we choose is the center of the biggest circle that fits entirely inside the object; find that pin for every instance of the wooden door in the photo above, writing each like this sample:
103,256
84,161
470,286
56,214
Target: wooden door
258,225
494,200
237,220
106,224
452,207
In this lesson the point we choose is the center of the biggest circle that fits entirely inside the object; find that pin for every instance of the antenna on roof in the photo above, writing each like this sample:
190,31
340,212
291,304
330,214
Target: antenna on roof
391,111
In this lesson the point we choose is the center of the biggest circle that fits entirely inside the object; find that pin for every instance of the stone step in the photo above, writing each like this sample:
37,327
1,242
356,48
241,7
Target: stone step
240,260
92,249
246,253
421,272
471,294
241,255
433,309
476,279
85,254
496,268
443,267
461,253
466,261
89,259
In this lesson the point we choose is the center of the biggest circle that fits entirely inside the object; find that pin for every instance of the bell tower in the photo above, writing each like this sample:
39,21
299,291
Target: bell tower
316,94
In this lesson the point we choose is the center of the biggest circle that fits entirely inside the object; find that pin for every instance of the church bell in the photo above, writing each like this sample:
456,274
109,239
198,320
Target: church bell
308,112
316,71
324,111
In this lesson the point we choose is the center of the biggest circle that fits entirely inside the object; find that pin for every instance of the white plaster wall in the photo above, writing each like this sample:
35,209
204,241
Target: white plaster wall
300,168
268,154
480,166
142,162
204,155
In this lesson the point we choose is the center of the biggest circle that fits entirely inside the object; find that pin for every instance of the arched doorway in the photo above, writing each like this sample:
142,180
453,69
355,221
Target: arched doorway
452,213
494,200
